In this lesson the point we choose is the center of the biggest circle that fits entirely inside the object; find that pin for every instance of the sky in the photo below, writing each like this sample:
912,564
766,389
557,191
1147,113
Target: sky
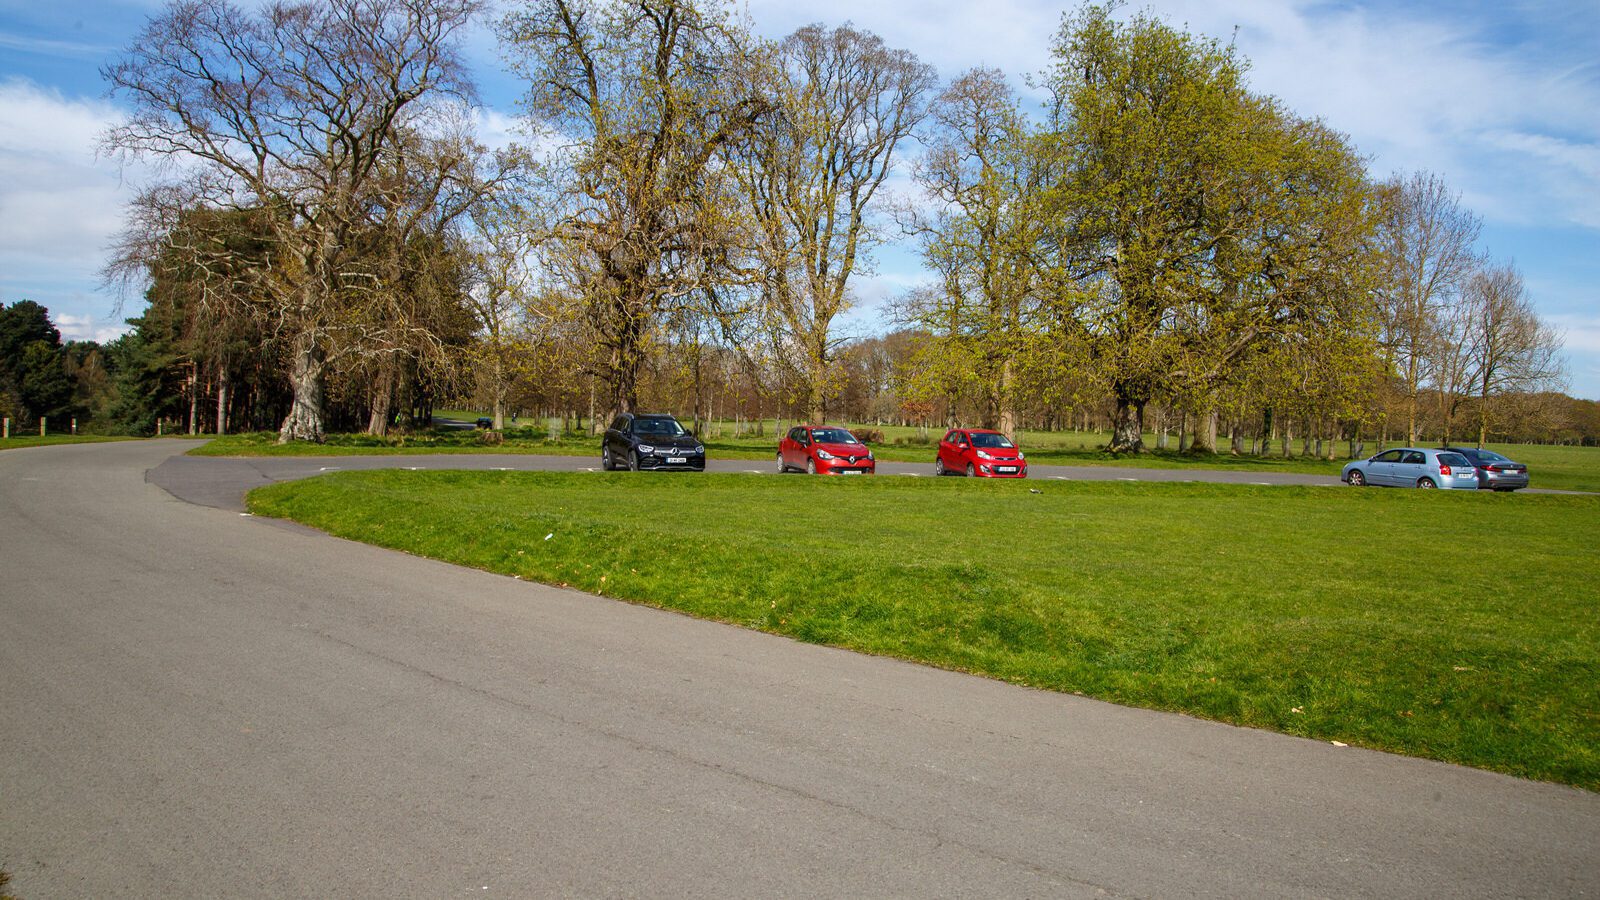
1500,99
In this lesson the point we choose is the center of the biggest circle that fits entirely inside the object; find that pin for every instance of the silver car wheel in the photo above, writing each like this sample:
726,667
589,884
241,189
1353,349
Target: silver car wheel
1357,479
782,469
811,467
938,465
1426,483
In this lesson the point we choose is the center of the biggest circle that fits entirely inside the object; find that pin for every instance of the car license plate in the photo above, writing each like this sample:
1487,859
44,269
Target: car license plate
849,471
1006,470
674,460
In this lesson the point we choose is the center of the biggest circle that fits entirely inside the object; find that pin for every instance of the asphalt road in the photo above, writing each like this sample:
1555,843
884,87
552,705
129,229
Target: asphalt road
196,703
222,481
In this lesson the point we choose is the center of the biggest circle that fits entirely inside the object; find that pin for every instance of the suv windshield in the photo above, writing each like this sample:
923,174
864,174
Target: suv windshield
979,439
657,427
833,436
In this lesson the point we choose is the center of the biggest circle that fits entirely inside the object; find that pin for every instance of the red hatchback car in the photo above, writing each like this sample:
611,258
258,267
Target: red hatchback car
824,450
979,451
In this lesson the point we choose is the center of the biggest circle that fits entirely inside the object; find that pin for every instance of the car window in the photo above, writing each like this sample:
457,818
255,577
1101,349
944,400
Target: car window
1490,456
950,437
1414,457
981,439
657,427
833,436
620,423
1387,456
1454,459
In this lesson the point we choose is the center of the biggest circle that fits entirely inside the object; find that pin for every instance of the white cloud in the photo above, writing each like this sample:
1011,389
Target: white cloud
88,328
59,202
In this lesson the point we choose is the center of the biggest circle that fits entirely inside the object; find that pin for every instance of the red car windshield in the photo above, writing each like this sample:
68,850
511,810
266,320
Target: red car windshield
833,436
990,440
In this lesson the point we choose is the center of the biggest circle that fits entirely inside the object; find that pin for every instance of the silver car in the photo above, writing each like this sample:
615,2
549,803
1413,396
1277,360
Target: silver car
1413,467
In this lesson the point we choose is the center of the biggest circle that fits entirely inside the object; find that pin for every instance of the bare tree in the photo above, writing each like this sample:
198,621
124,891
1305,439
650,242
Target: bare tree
812,175
635,100
1508,351
289,109
1428,241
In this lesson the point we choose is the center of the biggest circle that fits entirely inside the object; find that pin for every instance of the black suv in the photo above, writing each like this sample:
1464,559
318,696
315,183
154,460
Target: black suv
636,441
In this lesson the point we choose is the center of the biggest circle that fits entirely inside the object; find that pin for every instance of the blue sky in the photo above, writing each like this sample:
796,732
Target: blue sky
1502,99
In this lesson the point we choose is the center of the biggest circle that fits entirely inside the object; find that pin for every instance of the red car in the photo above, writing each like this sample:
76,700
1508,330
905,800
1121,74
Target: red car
979,451
825,450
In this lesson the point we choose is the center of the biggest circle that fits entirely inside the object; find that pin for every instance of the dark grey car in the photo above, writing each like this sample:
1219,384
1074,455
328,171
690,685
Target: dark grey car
1495,472
650,442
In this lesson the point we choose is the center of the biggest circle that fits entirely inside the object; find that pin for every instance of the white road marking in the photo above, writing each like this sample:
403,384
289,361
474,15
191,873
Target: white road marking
327,468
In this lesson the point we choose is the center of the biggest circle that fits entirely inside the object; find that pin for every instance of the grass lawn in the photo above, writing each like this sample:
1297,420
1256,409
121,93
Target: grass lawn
16,441
1363,616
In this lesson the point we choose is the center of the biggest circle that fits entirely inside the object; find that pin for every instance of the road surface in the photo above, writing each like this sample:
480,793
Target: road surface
198,703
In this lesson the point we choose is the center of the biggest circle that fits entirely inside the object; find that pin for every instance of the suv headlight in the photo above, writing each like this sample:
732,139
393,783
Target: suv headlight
646,448
984,454
823,454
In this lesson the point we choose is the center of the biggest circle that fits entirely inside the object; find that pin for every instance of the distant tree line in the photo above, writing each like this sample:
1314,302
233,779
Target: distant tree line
1156,250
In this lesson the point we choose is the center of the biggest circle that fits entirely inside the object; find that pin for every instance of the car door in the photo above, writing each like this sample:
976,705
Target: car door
794,448
615,439
947,450
1380,469
1410,469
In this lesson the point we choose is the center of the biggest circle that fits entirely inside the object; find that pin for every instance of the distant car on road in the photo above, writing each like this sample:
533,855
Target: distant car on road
657,441
1495,472
824,450
979,452
1413,467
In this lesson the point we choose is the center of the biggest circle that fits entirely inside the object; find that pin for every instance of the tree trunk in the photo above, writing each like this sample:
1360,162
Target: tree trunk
382,401
194,398
222,400
1127,432
1205,433
304,422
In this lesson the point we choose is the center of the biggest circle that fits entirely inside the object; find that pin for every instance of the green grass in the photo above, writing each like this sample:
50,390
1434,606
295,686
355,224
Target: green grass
1363,616
25,440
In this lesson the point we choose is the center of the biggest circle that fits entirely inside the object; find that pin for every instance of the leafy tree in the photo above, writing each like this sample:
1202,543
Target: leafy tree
983,240
1194,219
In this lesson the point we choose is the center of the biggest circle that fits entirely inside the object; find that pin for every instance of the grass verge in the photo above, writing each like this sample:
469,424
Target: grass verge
16,441
1370,617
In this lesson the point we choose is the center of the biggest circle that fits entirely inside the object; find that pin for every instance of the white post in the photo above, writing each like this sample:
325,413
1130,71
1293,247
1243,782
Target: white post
74,424
42,421
7,434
